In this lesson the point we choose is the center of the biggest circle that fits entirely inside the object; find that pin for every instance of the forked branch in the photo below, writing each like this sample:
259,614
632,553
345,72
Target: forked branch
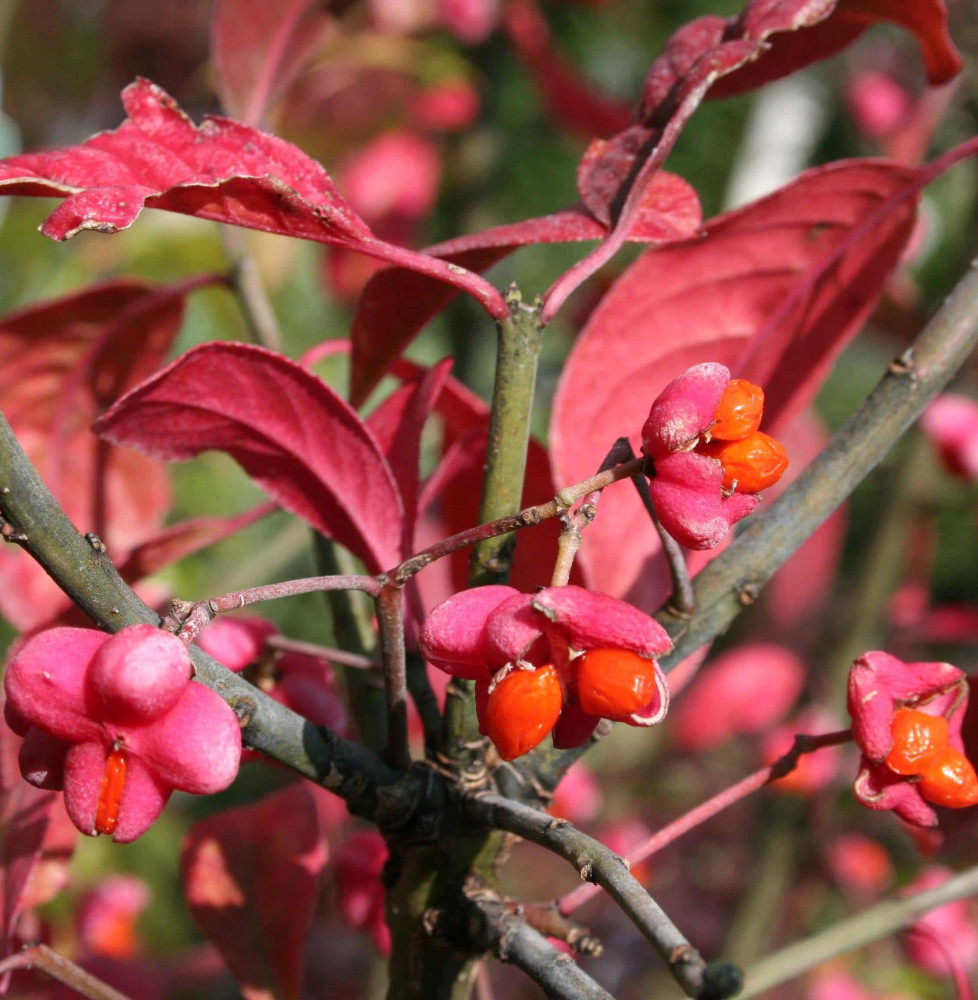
597,863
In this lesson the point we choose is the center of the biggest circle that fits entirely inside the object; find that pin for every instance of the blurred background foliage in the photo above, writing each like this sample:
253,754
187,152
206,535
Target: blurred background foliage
63,67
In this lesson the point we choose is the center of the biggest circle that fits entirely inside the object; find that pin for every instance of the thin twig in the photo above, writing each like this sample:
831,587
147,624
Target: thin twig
354,629
188,619
549,921
574,523
44,959
485,923
711,807
557,974
418,681
390,622
847,935
682,602
425,701
600,864
332,655
527,518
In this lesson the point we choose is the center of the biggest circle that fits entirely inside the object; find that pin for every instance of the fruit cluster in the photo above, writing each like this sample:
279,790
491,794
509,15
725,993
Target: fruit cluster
118,723
708,459
906,720
921,749
523,703
557,661
751,460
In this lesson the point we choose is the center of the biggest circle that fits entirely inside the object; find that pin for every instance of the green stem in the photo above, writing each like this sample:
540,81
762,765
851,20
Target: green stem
520,336
877,922
353,631
517,352
421,968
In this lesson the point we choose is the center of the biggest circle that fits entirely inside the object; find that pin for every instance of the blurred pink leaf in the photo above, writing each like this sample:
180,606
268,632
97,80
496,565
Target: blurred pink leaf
25,816
67,360
259,47
289,431
570,101
398,423
770,38
251,876
746,689
181,540
757,271
396,303
220,170
450,498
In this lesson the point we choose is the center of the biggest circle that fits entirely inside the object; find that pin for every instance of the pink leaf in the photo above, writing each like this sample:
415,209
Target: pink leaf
704,300
184,539
450,501
397,423
792,50
221,170
396,303
259,48
769,39
288,430
569,100
251,876
68,359
25,816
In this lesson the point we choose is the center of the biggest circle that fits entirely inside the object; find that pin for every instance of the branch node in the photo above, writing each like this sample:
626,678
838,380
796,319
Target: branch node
10,534
96,543
905,364
244,709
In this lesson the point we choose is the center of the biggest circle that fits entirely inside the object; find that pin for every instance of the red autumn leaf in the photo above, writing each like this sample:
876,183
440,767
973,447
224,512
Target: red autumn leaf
289,431
791,50
179,541
742,53
450,497
220,170
569,100
251,876
67,360
25,817
396,304
397,423
259,47
768,269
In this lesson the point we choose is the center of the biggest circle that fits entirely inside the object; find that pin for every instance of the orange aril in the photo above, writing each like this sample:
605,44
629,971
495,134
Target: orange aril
614,682
521,709
950,780
917,739
751,464
740,410
110,794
